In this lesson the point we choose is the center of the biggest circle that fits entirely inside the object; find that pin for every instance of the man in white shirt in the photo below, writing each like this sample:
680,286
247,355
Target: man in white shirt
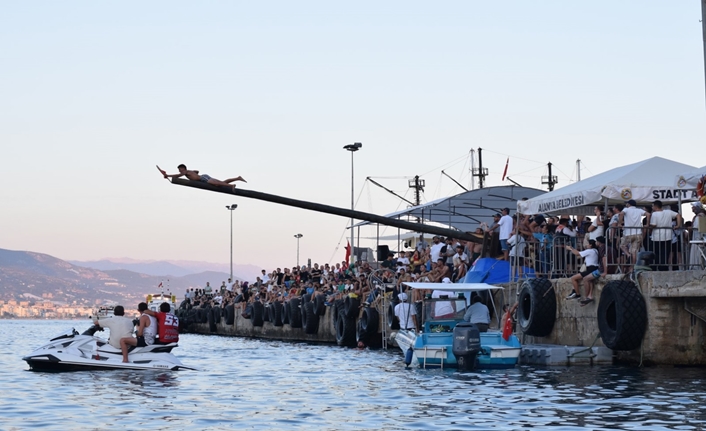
661,225
406,314
504,224
119,325
631,220
436,247
265,278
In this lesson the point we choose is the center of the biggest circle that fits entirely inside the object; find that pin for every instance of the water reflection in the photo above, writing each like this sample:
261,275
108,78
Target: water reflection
273,385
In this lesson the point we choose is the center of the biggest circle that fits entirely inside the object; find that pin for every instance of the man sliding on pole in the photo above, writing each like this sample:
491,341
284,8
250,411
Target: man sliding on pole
194,176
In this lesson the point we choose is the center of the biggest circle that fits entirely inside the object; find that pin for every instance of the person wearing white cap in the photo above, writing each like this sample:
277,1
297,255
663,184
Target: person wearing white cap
444,309
406,314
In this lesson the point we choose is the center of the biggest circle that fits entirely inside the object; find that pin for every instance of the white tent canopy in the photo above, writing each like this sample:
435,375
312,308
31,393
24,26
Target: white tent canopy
644,181
467,210
689,180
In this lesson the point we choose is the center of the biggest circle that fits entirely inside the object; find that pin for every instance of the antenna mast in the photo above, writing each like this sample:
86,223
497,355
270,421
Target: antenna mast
481,172
550,179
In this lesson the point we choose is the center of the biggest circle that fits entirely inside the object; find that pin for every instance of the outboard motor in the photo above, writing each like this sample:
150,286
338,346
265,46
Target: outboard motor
466,345
644,260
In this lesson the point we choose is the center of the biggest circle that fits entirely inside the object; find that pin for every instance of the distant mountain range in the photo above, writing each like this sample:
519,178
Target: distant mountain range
25,274
172,268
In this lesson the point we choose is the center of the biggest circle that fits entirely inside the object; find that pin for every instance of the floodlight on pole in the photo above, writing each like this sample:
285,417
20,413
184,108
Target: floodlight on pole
298,237
352,148
231,208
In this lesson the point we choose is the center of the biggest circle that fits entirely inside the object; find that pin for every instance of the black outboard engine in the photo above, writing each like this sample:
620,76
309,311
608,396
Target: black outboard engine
466,345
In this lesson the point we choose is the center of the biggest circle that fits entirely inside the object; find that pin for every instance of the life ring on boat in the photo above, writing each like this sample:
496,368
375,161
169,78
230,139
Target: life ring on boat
312,319
622,315
258,312
345,330
295,314
536,312
230,314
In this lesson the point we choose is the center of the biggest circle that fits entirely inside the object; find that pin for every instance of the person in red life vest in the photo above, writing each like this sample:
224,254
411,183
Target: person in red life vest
167,323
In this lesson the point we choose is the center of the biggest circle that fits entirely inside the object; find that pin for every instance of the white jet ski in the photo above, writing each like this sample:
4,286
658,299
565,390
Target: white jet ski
72,351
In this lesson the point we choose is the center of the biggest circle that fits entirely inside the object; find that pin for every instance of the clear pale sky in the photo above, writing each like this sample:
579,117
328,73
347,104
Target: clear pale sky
94,94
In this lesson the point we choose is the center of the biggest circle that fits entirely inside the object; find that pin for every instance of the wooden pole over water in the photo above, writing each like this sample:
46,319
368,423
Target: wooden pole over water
327,209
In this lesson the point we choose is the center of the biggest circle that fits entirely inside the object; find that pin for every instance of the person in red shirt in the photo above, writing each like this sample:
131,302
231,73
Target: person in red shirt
167,323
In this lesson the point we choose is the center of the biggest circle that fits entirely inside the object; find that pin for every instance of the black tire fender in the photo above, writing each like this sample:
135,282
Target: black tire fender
312,319
536,312
258,311
622,315
370,321
392,321
230,314
295,314
351,307
345,330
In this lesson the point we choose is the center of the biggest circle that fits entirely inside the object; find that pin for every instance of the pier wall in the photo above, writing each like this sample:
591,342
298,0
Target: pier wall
676,318
243,327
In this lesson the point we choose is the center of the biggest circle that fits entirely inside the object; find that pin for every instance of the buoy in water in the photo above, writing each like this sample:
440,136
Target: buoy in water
408,356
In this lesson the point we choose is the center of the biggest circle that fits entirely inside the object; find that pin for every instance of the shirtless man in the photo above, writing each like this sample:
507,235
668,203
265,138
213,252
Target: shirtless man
194,176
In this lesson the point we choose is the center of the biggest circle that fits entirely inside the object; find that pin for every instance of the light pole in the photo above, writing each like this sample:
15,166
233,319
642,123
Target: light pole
298,236
231,208
352,148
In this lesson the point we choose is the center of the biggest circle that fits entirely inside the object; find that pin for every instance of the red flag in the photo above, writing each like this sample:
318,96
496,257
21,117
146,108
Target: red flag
507,330
160,284
505,171
348,251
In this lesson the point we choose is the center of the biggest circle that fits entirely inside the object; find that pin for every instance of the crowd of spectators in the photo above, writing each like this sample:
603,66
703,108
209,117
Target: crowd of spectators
550,246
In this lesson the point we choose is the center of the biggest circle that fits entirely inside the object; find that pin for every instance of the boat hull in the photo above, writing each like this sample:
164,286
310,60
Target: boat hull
434,350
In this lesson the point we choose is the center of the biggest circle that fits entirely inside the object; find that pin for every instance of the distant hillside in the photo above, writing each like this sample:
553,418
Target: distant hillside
171,269
25,274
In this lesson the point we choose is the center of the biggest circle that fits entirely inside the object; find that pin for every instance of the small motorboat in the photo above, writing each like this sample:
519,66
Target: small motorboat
437,345
71,351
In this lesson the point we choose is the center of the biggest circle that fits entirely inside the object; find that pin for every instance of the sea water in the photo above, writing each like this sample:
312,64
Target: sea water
256,384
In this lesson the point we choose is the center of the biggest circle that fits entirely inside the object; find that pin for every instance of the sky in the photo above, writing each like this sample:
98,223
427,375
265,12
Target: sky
94,94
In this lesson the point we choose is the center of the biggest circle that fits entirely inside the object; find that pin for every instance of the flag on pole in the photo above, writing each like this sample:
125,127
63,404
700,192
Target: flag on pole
348,251
507,162
160,284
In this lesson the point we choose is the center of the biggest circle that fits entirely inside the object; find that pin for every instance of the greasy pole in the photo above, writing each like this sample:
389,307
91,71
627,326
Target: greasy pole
327,209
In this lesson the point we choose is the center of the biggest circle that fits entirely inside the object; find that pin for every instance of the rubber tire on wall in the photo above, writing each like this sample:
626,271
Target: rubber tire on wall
369,321
392,321
321,305
217,313
306,298
345,330
278,313
285,313
622,315
305,315
312,319
536,312
351,307
360,334
211,320
335,311
230,314
295,314
201,315
270,313
258,311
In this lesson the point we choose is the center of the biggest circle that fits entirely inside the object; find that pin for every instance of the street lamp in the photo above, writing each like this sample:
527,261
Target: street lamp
352,148
298,236
231,208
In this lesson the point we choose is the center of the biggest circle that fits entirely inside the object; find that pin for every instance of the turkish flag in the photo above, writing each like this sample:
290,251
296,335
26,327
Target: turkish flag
348,251
507,162
507,329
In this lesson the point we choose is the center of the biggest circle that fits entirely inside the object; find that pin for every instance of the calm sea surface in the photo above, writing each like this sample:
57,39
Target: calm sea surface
252,384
